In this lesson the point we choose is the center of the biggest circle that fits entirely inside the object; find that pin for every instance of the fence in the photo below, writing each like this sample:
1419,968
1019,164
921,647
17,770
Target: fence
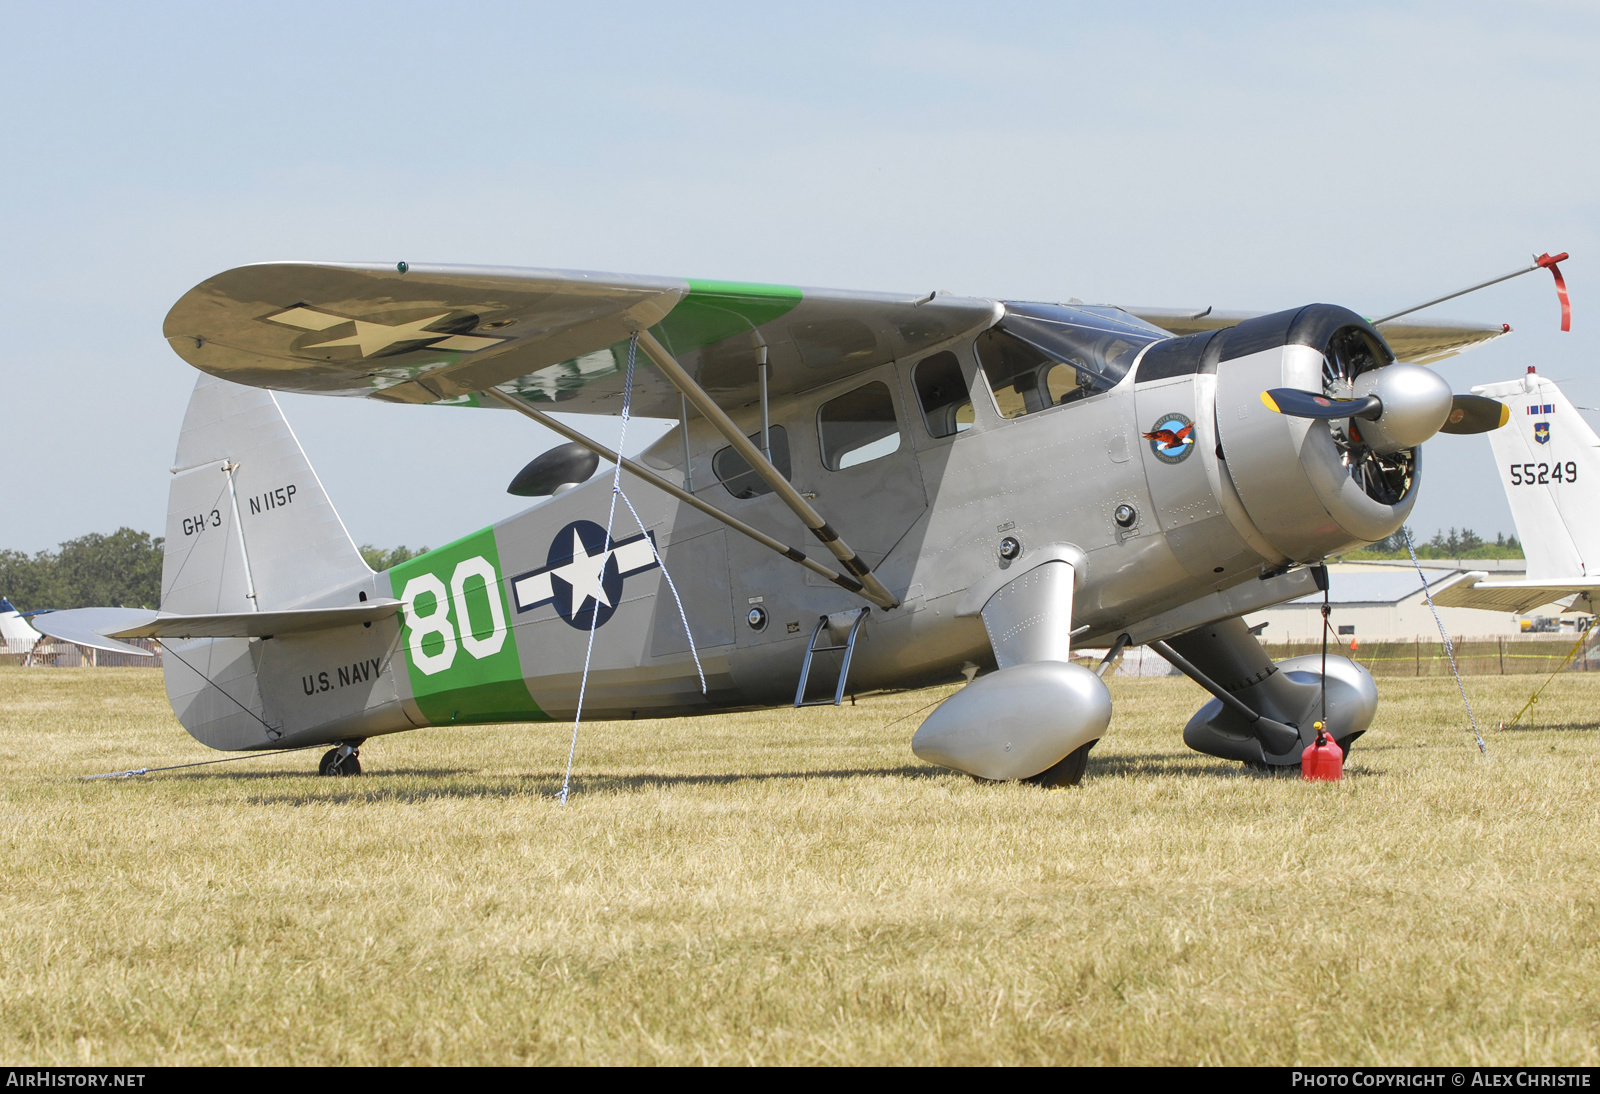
63,655
1474,656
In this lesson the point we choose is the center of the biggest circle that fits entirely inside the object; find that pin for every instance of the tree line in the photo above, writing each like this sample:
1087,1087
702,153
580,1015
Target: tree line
121,570
1462,543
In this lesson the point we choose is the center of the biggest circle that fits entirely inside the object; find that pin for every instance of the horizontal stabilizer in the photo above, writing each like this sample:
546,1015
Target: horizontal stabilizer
1474,590
88,627
100,627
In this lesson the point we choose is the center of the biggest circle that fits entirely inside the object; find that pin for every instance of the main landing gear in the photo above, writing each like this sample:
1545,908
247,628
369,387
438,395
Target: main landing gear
342,760
1069,772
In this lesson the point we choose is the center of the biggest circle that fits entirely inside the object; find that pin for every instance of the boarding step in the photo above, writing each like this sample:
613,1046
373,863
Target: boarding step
823,632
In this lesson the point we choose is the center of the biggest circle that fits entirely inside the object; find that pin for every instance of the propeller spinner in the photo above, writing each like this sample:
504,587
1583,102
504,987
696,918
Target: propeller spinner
1395,407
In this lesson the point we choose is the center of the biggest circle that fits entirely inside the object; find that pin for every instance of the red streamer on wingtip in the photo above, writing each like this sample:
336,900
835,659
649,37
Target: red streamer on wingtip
1549,263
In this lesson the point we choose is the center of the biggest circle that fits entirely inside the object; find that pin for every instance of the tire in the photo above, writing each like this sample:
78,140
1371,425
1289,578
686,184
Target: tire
1068,772
332,765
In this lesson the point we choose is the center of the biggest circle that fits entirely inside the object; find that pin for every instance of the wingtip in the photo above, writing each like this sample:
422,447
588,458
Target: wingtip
1267,401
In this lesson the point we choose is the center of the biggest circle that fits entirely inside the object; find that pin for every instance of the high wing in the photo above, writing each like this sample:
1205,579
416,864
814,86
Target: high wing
1418,341
443,334
430,334
1475,590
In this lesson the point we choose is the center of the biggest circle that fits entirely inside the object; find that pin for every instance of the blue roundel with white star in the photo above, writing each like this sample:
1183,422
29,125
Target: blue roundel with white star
583,575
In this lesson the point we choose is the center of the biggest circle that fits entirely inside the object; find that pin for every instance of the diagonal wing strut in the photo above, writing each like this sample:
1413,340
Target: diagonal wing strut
871,587
660,483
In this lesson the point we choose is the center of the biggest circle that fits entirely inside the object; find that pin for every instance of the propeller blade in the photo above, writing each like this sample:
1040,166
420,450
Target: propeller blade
1475,414
1306,404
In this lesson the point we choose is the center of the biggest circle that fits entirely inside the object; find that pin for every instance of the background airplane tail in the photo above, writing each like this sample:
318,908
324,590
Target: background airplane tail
1549,463
249,528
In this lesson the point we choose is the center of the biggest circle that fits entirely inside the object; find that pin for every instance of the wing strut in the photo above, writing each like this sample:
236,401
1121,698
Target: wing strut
871,587
662,484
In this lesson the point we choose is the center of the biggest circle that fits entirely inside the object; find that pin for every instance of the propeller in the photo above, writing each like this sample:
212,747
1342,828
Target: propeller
1402,406
1306,404
1475,414
1468,413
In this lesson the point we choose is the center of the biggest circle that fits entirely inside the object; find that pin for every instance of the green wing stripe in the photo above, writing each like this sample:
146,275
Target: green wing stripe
714,310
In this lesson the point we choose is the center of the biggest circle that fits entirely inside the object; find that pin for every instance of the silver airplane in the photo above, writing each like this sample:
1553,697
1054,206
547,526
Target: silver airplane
864,491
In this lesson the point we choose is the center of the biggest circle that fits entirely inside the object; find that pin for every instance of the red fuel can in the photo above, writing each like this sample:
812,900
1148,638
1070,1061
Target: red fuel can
1323,760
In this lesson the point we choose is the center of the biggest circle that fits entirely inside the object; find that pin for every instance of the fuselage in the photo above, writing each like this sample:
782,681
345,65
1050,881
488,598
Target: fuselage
1147,462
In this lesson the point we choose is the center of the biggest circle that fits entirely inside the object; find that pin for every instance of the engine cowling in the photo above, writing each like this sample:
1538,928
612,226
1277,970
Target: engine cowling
1312,488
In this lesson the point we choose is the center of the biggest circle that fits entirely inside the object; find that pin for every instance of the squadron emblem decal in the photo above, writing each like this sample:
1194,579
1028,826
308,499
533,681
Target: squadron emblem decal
1541,432
583,576
1172,438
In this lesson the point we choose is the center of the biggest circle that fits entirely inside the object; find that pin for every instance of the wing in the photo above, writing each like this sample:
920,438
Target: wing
1474,590
440,334
1419,341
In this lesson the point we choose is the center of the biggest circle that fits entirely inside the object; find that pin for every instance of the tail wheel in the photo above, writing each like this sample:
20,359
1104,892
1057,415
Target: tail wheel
1068,772
340,761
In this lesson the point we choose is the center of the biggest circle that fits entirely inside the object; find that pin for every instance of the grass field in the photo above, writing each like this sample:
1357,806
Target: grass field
794,887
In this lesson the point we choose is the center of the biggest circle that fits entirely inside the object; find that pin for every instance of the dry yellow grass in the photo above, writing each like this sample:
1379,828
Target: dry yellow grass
793,887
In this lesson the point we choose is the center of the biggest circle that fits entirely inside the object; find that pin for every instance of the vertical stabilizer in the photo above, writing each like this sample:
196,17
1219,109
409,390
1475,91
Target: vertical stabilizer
1549,464
16,633
249,528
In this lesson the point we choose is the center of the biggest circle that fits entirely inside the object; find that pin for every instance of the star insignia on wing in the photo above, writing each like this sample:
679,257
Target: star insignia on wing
372,338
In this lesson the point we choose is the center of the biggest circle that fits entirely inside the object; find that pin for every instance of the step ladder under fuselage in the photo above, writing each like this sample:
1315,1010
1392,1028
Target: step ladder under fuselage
812,649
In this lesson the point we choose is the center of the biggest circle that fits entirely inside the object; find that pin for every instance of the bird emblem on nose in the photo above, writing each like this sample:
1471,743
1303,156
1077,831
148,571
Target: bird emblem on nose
1171,439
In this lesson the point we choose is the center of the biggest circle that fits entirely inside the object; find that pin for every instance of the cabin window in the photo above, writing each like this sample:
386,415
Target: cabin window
942,393
1043,355
858,426
738,477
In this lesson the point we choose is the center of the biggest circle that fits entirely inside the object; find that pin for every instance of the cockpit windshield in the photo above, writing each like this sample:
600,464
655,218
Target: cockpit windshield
1042,355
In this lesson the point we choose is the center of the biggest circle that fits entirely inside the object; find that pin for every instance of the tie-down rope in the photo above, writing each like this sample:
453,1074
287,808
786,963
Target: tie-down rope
1449,649
594,620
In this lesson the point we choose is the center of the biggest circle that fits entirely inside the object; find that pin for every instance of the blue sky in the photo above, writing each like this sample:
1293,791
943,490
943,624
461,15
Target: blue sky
1236,155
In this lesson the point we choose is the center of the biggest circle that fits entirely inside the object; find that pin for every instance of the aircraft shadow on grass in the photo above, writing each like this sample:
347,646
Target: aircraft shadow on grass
372,786
379,785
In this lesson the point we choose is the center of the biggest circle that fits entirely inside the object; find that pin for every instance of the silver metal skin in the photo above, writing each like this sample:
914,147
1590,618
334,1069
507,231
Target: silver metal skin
1030,617
1038,707
1416,404
998,544
684,495
1017,722
872,588
1290,474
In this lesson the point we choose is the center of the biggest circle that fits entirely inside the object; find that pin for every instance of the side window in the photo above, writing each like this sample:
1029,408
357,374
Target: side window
738,477
942,393
1023,378
858,426
1043,355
